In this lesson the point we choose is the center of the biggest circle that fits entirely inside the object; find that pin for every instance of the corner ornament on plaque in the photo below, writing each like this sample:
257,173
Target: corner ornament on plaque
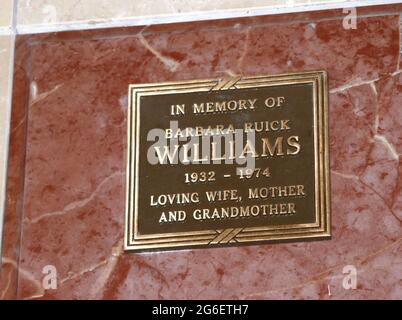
223,162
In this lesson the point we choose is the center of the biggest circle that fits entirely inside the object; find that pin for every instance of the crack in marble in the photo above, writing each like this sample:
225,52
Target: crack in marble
375,137
324,274
3,293
382,198
35,296
387,144
101,281
354,83
245,50
40,291
358,179
344,175
142,263
373,87
36,98
22,121
109,263
74,275
76,204
400,43
171,64
396,73
377,109
230,73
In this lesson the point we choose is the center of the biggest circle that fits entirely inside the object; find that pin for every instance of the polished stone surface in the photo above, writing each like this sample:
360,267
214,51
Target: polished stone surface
66,179
48,13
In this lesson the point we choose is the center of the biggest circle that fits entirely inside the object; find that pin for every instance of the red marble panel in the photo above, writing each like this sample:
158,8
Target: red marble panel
15,177
72,161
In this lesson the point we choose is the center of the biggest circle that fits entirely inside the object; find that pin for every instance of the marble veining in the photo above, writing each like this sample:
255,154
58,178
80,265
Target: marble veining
74,165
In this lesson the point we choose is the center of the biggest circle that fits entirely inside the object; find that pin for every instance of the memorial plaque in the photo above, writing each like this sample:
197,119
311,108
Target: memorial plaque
224,162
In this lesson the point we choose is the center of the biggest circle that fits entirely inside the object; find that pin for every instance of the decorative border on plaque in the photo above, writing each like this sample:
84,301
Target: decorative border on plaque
320,229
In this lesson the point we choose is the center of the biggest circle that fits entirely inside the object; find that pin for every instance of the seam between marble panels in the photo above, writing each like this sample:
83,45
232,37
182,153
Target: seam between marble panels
7,124
206,28
28,70
88,24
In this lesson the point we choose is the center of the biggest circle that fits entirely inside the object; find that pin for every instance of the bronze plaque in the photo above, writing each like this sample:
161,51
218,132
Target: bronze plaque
223,162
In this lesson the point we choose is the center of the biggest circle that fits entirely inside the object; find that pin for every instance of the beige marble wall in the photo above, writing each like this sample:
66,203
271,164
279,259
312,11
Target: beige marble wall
61,11
5,12
45,13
